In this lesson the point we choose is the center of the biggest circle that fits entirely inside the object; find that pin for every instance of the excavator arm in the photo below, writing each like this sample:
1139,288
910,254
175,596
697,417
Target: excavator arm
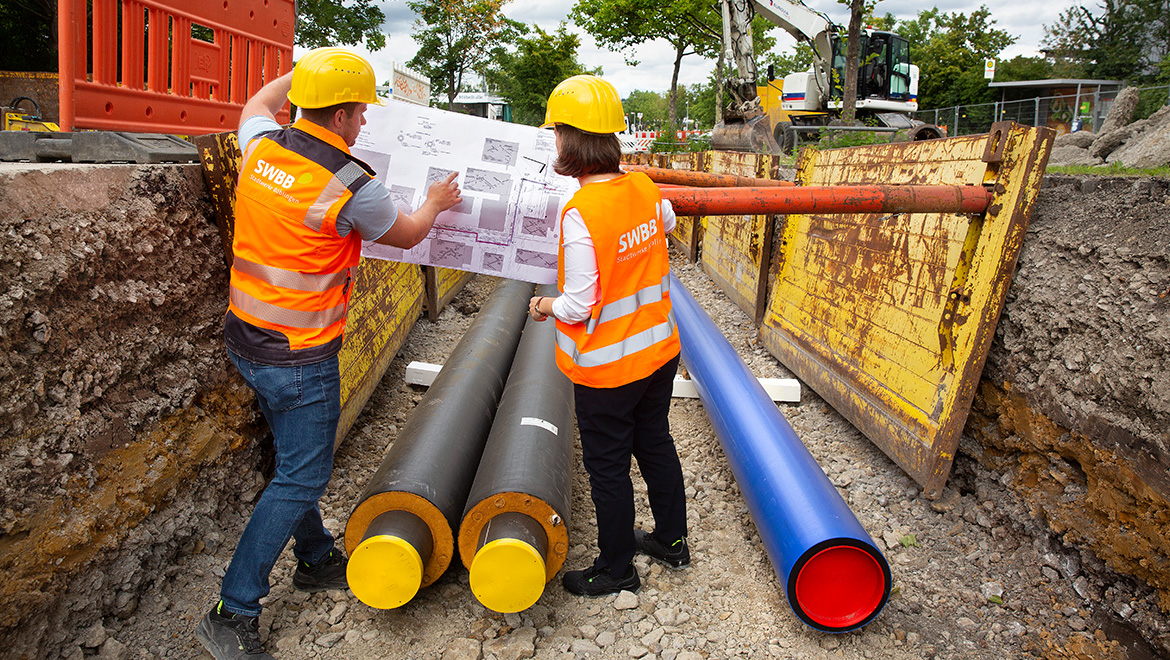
745,126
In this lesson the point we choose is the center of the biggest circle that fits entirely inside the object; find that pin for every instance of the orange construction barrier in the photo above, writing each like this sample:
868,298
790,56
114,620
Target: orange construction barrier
828,199
168,66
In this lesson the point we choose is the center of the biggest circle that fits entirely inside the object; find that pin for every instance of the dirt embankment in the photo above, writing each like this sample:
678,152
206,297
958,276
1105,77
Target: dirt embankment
116,405
1074,407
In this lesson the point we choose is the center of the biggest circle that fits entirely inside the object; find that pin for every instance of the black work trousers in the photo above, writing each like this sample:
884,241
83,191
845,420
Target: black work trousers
616,423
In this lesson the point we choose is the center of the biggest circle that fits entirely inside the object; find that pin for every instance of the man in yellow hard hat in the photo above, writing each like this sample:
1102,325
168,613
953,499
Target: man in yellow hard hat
304,204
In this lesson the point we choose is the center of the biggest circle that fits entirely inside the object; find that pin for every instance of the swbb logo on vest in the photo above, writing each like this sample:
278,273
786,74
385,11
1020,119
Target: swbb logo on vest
274,174
637,235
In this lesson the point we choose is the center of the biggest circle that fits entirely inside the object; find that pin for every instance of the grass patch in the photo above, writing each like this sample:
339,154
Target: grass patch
1113,169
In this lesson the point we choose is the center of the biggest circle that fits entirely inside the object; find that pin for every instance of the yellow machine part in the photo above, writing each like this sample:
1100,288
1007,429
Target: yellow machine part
17,121
890,317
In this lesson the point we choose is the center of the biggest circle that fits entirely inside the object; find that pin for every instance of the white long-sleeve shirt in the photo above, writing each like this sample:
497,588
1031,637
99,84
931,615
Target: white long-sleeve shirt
581,275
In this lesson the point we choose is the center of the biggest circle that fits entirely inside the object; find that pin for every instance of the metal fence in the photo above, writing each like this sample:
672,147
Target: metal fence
1068,112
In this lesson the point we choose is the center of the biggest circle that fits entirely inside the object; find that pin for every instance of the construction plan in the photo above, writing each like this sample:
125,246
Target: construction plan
506,225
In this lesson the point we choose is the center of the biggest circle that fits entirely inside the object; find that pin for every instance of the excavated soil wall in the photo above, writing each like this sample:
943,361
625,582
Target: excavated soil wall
122,429
124,433
1073,410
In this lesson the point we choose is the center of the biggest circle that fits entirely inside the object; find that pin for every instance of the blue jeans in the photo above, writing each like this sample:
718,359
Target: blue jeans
302,405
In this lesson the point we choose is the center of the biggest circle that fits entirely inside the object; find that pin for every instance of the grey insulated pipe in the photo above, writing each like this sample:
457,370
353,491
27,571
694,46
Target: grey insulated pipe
515,531
401,534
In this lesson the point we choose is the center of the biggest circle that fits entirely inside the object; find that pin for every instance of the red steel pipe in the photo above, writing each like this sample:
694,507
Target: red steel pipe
703,179
828,199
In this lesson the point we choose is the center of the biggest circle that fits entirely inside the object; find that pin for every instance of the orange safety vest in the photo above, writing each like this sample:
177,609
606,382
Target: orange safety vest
291,271
631,330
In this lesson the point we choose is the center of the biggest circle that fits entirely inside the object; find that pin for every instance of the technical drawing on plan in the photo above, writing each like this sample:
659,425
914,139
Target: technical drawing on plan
507,223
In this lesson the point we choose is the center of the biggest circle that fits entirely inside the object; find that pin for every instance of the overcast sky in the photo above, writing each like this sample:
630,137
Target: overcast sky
1024,19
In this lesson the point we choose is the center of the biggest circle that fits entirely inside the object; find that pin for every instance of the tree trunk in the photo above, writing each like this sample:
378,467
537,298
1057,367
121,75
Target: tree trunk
678,55
852,60
719,86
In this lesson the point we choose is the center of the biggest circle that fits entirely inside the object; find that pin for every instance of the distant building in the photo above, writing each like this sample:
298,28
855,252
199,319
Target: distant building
1065,104
483,104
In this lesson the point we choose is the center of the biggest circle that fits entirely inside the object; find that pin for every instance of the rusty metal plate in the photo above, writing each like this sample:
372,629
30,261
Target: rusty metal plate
219,153
890,317
736,250
387,299
687,229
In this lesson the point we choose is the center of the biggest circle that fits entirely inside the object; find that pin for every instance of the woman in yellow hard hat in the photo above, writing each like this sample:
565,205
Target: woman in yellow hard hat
616,335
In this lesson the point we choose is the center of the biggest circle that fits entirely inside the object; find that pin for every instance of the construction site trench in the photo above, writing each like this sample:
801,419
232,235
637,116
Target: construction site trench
132,454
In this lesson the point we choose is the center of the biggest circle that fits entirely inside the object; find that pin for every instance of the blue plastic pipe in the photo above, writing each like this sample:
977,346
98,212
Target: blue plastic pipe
834,577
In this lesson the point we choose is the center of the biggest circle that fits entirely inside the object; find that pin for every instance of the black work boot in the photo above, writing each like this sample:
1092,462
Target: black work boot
674,555
230,636
594,582
329,574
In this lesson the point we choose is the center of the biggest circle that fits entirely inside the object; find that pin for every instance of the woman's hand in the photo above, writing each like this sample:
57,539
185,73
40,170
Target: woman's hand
537,304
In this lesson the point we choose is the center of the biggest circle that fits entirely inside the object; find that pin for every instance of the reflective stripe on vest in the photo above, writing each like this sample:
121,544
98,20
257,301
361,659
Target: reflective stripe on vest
289,279
614,352
630,304
332,192
292,318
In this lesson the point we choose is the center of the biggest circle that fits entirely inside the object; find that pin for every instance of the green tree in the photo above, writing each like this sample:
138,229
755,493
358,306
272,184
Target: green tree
527,76
339,22
950,49
692,27
458,38
654,108
1124,40
798,60
28,30
1022,67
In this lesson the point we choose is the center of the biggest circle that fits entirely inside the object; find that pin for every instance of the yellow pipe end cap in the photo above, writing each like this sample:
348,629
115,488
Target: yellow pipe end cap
507,575
384,572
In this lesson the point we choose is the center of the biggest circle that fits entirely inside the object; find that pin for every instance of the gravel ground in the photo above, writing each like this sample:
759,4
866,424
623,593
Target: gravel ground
972,577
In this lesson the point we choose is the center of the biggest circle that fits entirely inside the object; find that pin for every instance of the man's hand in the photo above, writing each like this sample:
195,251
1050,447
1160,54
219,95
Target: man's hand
410,228
444,194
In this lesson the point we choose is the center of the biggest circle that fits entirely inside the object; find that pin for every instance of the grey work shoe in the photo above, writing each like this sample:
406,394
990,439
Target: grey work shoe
674,555
230,636
329,574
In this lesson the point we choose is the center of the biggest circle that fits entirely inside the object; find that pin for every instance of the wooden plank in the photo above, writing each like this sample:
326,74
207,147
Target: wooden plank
889,318
442,285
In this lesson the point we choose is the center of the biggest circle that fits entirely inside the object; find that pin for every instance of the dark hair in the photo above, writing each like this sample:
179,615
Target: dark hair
582,153
322,116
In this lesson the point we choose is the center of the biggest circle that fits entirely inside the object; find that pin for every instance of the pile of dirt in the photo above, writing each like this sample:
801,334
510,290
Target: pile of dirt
1143,143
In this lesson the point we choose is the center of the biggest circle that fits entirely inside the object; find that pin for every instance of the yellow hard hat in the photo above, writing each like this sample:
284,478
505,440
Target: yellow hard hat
328,76
588,103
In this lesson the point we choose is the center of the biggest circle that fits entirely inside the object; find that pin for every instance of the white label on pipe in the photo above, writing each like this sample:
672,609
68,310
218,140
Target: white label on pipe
536,421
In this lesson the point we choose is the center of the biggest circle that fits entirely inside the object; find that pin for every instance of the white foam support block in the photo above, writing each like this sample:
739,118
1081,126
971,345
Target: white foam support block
780,389
422,373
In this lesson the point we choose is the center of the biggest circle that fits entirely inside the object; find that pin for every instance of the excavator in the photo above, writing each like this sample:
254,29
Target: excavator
887,83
